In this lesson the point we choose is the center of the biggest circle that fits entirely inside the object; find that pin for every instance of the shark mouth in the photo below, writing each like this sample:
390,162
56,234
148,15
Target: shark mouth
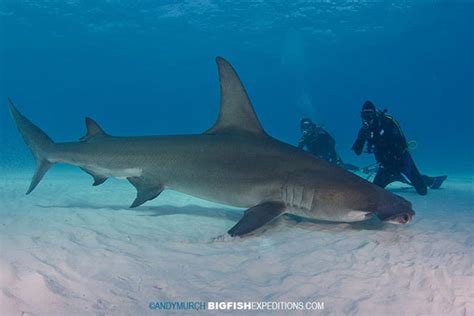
403,218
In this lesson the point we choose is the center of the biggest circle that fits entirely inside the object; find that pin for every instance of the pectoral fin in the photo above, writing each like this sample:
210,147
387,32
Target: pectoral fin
257,216
146,190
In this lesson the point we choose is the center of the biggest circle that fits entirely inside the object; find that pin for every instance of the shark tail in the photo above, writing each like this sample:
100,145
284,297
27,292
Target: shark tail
39,143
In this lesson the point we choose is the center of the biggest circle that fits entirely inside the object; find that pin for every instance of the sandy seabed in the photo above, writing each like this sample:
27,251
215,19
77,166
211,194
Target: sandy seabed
69,248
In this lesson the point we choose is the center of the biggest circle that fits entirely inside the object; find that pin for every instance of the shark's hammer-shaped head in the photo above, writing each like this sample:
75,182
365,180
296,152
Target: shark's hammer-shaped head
395,210
388,207
336,195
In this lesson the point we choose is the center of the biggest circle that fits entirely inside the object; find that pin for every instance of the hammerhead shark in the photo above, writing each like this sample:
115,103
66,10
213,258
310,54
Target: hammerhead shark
235,162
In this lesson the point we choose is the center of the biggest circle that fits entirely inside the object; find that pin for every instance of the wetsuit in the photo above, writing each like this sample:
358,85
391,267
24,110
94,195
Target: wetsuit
321,144
385,139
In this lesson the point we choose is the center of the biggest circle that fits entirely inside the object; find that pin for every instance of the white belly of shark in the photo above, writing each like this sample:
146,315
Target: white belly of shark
121,174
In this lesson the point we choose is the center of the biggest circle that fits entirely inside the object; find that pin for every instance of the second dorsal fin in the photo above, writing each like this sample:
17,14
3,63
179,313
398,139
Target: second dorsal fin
236,111
93,130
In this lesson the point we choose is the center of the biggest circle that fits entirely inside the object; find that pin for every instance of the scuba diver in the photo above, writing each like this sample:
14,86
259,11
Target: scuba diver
386,141
320,143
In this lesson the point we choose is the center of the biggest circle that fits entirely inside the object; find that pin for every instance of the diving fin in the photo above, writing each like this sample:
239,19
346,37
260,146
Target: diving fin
437,182
257,216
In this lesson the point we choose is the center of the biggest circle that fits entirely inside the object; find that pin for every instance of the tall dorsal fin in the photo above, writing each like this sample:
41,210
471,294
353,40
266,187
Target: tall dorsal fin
236,112
93,129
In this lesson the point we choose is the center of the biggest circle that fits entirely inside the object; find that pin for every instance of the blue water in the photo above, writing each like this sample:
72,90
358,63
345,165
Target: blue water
146,67
143,67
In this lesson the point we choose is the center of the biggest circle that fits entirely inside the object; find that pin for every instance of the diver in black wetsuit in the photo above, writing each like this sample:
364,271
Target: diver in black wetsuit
320,143
385,139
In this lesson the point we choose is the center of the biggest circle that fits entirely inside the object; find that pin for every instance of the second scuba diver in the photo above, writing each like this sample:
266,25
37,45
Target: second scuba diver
385,139
320,143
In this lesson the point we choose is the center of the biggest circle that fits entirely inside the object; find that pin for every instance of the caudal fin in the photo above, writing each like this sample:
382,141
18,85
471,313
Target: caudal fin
39,143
